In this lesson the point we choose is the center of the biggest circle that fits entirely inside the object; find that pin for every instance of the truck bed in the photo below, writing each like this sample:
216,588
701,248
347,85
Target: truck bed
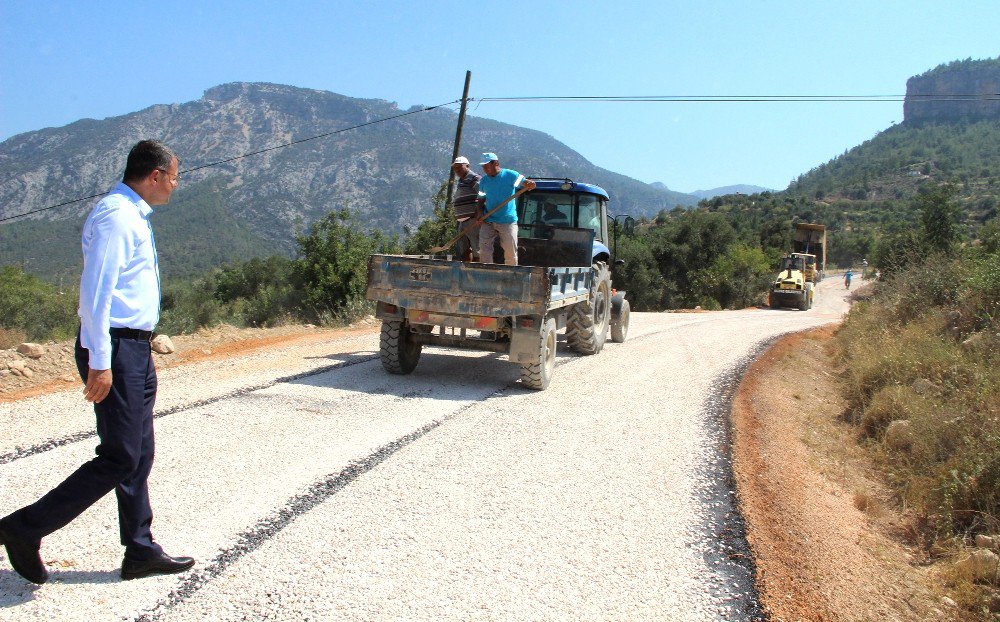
473,289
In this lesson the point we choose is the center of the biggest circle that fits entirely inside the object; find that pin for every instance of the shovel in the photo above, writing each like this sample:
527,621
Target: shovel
479,221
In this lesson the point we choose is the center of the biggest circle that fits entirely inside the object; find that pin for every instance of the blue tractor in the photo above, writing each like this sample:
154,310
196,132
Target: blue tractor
558,203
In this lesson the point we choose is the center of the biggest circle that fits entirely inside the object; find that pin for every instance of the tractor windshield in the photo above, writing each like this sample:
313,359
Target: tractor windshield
538,210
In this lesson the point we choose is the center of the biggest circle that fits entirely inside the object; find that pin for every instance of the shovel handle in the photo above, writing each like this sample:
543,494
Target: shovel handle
479,221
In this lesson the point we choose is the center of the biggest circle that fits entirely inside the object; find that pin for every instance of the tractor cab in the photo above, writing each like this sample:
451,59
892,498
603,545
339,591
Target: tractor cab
561,210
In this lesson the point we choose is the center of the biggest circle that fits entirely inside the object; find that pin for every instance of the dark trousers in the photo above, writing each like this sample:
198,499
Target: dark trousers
124,456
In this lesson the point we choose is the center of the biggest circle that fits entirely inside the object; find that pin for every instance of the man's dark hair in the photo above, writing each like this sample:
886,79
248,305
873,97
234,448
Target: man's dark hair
146,157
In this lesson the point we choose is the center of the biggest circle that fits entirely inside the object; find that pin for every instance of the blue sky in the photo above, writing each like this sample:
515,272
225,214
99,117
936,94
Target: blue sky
63,61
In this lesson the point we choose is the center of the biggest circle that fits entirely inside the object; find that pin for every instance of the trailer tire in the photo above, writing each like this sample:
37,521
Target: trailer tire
538,373
587,324
619,326
397,348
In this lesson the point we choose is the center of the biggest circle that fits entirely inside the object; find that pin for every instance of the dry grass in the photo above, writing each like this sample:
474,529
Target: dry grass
11,337
923,349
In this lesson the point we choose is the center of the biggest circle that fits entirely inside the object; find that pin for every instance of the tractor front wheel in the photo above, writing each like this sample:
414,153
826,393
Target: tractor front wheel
619,325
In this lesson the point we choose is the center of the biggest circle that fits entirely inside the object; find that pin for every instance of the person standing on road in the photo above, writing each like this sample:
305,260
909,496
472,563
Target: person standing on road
497,185
119,307
466,207
847,278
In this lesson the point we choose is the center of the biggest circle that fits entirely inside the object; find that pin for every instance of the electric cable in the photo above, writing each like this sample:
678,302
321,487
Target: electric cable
744,98
591,98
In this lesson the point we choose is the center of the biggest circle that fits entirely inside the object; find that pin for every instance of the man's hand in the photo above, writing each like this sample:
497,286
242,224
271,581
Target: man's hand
98,385
529,185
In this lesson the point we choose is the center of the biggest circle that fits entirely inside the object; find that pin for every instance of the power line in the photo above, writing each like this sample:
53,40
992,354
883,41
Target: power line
595,99
246,155
743,98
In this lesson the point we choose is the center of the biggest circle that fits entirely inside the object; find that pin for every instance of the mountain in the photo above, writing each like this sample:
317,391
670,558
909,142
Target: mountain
676,198
868,191
385,173
940,140
735,189
964,90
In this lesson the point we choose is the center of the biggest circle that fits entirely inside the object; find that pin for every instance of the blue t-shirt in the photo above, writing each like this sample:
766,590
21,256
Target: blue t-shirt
499,188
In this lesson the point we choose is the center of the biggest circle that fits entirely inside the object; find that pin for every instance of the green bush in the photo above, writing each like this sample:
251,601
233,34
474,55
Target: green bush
34,308
333,268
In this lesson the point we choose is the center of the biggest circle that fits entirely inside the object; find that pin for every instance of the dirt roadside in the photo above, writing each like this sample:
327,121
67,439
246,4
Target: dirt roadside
820,525
56,369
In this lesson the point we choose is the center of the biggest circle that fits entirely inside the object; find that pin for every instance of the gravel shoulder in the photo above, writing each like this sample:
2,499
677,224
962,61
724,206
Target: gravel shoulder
823,530
309,484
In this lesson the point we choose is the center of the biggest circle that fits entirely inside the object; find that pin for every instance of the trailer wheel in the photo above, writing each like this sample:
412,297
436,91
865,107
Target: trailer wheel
396,347
619,327
587,324
538,373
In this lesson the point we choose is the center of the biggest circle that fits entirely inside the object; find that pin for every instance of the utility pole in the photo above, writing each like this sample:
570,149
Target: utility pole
458,135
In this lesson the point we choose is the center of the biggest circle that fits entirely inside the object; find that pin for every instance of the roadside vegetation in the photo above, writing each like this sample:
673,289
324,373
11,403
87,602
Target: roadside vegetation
719,255
921,355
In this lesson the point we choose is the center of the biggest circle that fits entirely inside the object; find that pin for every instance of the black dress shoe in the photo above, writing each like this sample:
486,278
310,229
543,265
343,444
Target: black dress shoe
24,557
161,564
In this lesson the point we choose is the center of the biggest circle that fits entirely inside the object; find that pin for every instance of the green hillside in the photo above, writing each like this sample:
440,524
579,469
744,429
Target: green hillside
872,181
194,233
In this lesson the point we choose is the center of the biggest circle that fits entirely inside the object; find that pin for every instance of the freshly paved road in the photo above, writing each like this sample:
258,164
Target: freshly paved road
309,484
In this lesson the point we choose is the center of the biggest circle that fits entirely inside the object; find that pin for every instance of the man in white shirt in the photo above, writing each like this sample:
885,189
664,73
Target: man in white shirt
119,307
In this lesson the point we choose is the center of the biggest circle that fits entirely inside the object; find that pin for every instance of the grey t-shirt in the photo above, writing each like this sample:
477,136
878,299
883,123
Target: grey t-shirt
465,201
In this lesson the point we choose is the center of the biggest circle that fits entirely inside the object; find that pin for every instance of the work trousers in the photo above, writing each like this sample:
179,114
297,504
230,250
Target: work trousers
469,240
124,456
507,232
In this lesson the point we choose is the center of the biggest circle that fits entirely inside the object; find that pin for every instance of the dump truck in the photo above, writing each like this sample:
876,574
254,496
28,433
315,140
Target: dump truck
791,288
563,281
809,241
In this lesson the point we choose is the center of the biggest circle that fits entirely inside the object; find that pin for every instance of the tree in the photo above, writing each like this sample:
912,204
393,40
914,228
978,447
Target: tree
738,278
333,268
939,216
436,230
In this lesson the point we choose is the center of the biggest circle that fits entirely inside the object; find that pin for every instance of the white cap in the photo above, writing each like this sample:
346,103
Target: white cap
460,160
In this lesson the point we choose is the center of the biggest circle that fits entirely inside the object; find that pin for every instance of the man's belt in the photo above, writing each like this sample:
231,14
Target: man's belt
132,333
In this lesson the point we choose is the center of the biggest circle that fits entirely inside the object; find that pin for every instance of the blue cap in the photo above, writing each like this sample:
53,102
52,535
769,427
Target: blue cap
489,157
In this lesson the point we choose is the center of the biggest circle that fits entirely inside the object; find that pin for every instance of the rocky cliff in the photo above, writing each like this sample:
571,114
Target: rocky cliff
965,90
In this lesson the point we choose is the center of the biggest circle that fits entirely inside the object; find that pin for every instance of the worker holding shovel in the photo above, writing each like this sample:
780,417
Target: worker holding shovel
499,186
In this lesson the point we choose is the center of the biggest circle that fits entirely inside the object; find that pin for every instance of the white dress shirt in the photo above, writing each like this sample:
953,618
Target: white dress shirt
120,284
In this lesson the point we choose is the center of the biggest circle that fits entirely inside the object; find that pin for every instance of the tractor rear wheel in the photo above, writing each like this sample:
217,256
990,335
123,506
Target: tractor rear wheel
397,349
587,324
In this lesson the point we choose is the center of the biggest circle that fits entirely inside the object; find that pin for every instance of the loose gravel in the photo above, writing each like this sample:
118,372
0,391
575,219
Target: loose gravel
309,484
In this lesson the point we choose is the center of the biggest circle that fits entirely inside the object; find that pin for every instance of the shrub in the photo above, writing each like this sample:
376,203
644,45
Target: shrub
888,404
903,338
35,308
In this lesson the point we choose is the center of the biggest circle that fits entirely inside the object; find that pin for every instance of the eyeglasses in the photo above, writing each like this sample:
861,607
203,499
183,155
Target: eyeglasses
174,179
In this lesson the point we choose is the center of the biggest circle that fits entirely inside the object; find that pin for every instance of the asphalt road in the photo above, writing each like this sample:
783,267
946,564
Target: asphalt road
310,484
